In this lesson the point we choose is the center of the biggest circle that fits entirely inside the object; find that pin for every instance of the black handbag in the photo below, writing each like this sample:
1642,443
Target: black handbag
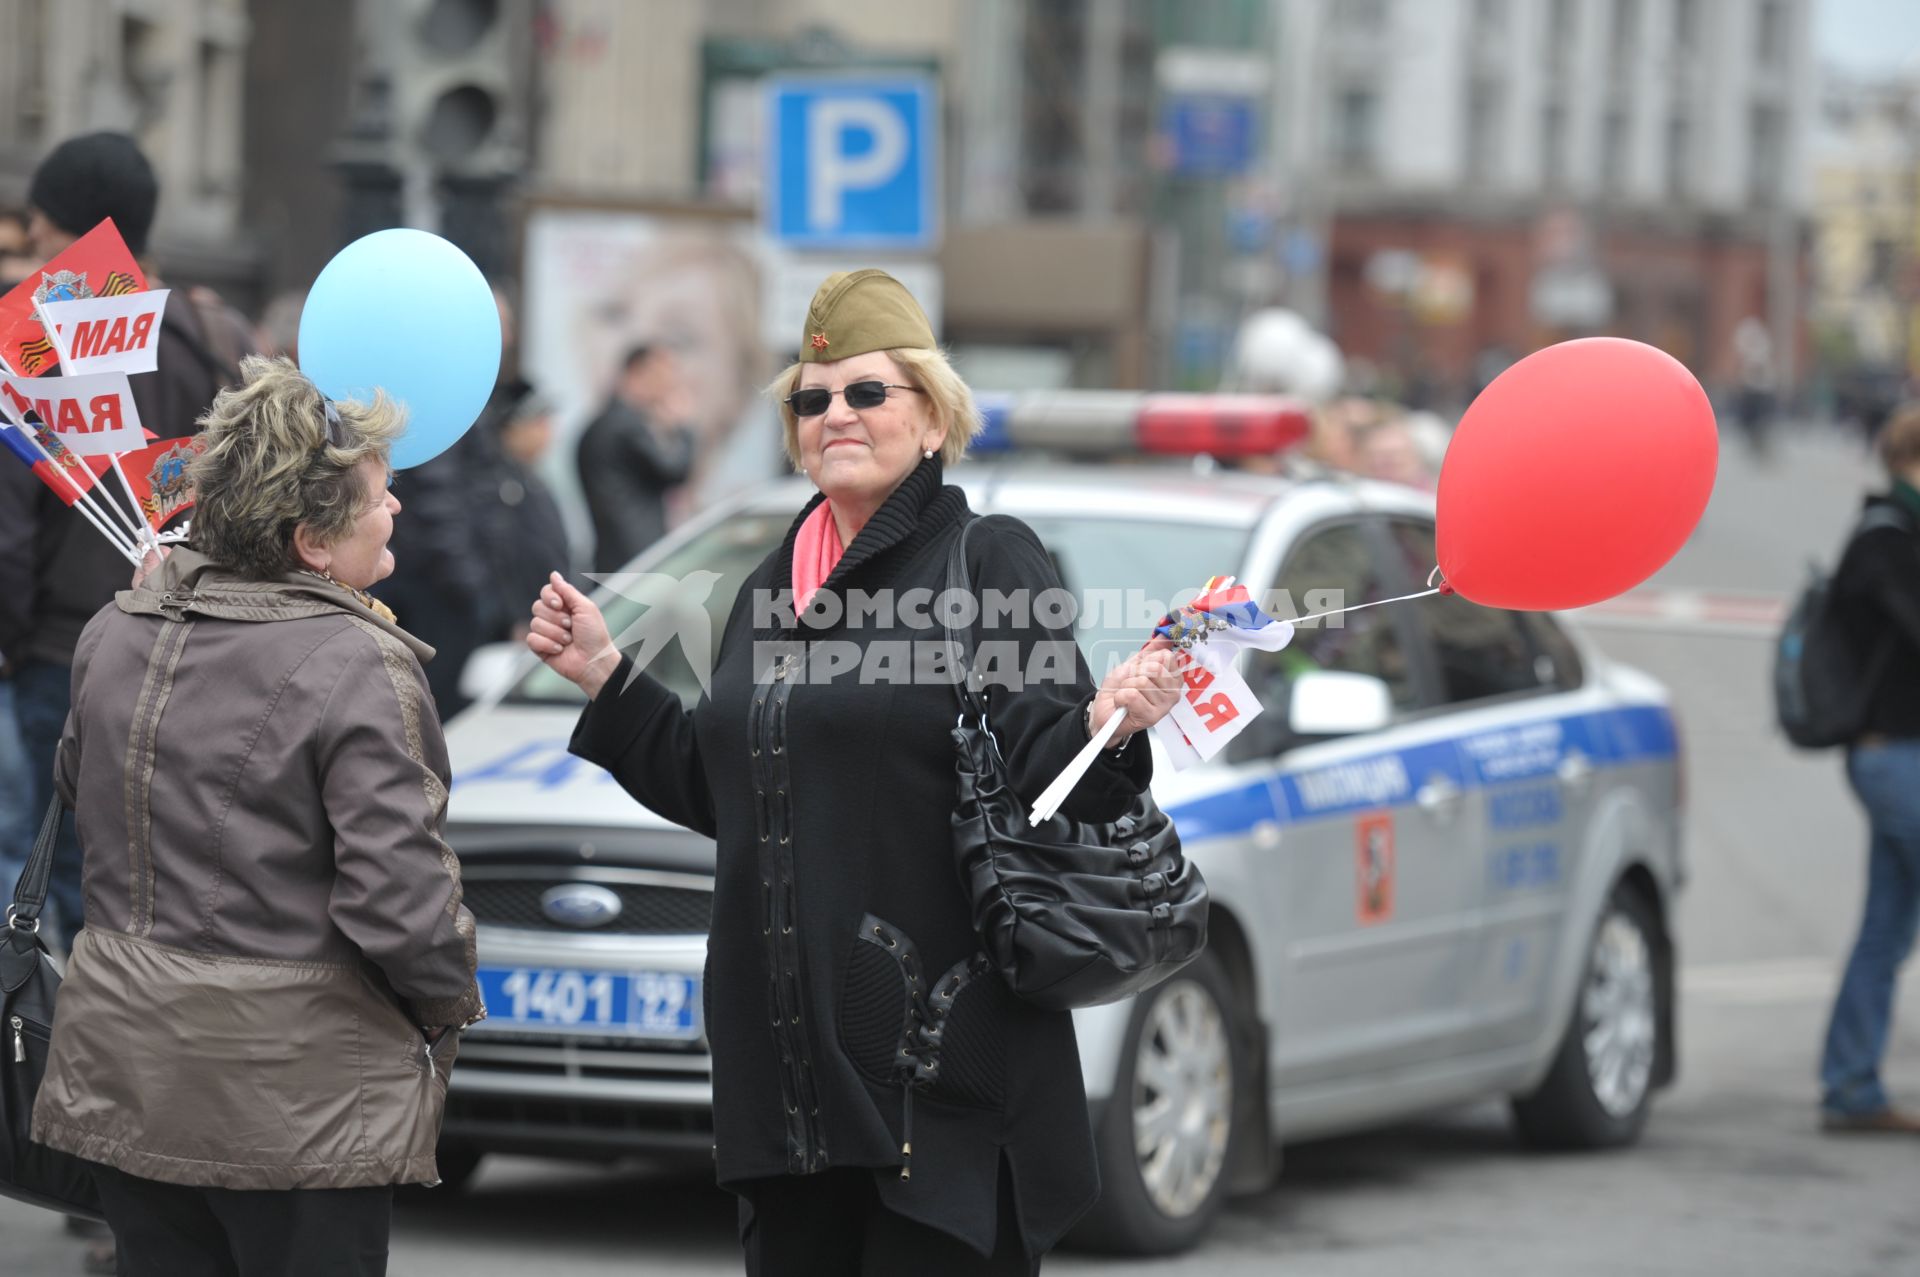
29,984
1071,914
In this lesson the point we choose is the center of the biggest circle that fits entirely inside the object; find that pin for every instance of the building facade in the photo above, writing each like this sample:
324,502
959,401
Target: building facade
1866,237
168,72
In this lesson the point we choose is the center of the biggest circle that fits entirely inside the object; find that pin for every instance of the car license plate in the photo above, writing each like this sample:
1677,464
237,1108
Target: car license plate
642,1004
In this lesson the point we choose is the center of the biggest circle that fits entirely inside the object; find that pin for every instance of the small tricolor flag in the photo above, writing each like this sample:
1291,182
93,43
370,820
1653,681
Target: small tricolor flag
1218,703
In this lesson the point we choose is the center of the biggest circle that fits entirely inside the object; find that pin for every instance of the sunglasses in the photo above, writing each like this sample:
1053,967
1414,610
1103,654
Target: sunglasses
337,430
861,394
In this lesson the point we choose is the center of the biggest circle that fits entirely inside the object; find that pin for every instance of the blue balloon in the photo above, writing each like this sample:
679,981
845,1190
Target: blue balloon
406,312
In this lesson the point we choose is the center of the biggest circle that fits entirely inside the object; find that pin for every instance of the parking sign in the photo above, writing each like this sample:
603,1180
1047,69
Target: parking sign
853,162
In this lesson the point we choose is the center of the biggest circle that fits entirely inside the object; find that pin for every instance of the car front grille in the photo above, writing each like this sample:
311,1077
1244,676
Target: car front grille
513,899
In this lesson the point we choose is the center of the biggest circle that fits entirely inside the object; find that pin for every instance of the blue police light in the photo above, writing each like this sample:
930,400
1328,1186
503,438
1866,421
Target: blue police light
994,410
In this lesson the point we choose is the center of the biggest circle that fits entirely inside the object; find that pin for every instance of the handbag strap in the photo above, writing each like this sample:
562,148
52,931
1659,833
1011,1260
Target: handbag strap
958,579
30,893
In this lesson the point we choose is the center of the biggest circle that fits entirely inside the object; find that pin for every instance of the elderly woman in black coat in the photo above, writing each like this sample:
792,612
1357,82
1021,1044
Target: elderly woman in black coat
821,762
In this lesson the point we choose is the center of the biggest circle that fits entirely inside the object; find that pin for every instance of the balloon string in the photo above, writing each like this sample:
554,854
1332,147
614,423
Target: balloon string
1314,616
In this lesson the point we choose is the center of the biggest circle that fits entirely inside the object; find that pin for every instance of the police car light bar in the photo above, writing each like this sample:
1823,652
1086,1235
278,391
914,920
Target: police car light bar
1112,422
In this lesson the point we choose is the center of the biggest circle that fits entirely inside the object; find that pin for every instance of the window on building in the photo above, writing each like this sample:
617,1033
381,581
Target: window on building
1686,25
1770,44
1356,127
1560,33
1363,15
1489,15
1613,151
1482,131
1883,260
1553,145
1626,33
1053,125
1679,157
1766,153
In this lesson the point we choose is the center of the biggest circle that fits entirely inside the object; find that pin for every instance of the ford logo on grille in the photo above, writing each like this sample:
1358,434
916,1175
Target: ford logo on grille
580,904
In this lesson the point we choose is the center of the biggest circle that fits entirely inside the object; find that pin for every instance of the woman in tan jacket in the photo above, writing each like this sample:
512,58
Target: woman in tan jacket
253,1041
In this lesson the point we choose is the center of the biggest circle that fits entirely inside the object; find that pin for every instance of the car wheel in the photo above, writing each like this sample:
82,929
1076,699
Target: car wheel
1597,1093
1166,1135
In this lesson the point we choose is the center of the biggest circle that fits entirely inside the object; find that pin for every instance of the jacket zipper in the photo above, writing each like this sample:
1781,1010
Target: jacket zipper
19,1040
794,986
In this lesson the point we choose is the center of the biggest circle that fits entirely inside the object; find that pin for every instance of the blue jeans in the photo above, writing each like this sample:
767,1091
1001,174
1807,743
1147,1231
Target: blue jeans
1887,779
18,821
42,692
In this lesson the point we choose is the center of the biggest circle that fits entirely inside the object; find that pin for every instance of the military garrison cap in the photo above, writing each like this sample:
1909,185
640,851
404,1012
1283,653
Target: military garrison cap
855,312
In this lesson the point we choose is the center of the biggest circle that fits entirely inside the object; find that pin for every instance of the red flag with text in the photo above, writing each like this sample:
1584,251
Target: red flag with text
98,264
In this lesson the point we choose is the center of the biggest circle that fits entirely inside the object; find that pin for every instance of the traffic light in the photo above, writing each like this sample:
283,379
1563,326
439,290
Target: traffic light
458,99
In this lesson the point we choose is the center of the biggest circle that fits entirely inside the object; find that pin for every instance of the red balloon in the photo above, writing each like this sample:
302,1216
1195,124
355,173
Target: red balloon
1575,476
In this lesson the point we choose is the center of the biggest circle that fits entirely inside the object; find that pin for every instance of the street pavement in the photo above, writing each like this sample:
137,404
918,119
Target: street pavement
1731,1176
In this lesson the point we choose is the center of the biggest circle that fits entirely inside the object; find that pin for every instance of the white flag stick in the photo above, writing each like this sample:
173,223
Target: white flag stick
83,498
83,501
138,526
1049,801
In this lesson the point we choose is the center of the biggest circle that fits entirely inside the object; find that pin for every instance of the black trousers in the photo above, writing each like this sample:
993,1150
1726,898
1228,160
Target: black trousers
169,1230
833,1225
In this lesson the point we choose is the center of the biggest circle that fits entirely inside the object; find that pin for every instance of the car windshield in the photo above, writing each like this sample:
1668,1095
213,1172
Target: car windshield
1119,570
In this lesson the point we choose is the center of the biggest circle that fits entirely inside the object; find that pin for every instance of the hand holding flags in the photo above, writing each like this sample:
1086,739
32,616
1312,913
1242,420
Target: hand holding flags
1217,705
1212,631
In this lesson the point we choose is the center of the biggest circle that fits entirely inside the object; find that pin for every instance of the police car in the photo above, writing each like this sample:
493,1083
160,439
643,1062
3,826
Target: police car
1443,861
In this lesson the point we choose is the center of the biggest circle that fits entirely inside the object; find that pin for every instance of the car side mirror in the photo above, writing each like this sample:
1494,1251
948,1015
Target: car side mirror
489,669
1337,703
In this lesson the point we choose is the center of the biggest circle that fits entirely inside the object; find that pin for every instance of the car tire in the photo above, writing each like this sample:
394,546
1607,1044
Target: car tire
1165,1138
1598,1091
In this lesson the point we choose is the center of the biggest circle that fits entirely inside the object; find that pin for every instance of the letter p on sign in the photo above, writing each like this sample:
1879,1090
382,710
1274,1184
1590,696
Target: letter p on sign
852,162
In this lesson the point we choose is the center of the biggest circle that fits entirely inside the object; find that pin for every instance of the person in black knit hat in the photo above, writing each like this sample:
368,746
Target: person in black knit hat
84,180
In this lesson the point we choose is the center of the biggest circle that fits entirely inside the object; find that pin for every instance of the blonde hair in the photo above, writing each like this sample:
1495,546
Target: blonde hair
929,370
1900,440
269,467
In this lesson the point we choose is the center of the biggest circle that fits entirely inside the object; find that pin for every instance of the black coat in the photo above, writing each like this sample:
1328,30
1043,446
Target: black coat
1877,598
522,539
830,803
627,467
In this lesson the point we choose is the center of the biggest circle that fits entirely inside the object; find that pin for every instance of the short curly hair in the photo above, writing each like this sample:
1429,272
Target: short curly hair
268,467
929,370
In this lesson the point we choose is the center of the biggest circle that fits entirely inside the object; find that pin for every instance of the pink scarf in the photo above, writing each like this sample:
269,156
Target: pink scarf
816,549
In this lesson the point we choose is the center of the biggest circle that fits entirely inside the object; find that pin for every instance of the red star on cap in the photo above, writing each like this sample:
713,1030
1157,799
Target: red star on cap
819,341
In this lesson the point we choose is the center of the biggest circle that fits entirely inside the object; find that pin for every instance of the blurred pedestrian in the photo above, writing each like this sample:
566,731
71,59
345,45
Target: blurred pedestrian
440,588
524,538
278,332
1755,393
256,1026
16,260
58,571
633,454
1388,451
1877,598
16,789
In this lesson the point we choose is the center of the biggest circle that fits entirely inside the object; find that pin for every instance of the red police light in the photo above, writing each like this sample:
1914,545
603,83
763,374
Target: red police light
1220,425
